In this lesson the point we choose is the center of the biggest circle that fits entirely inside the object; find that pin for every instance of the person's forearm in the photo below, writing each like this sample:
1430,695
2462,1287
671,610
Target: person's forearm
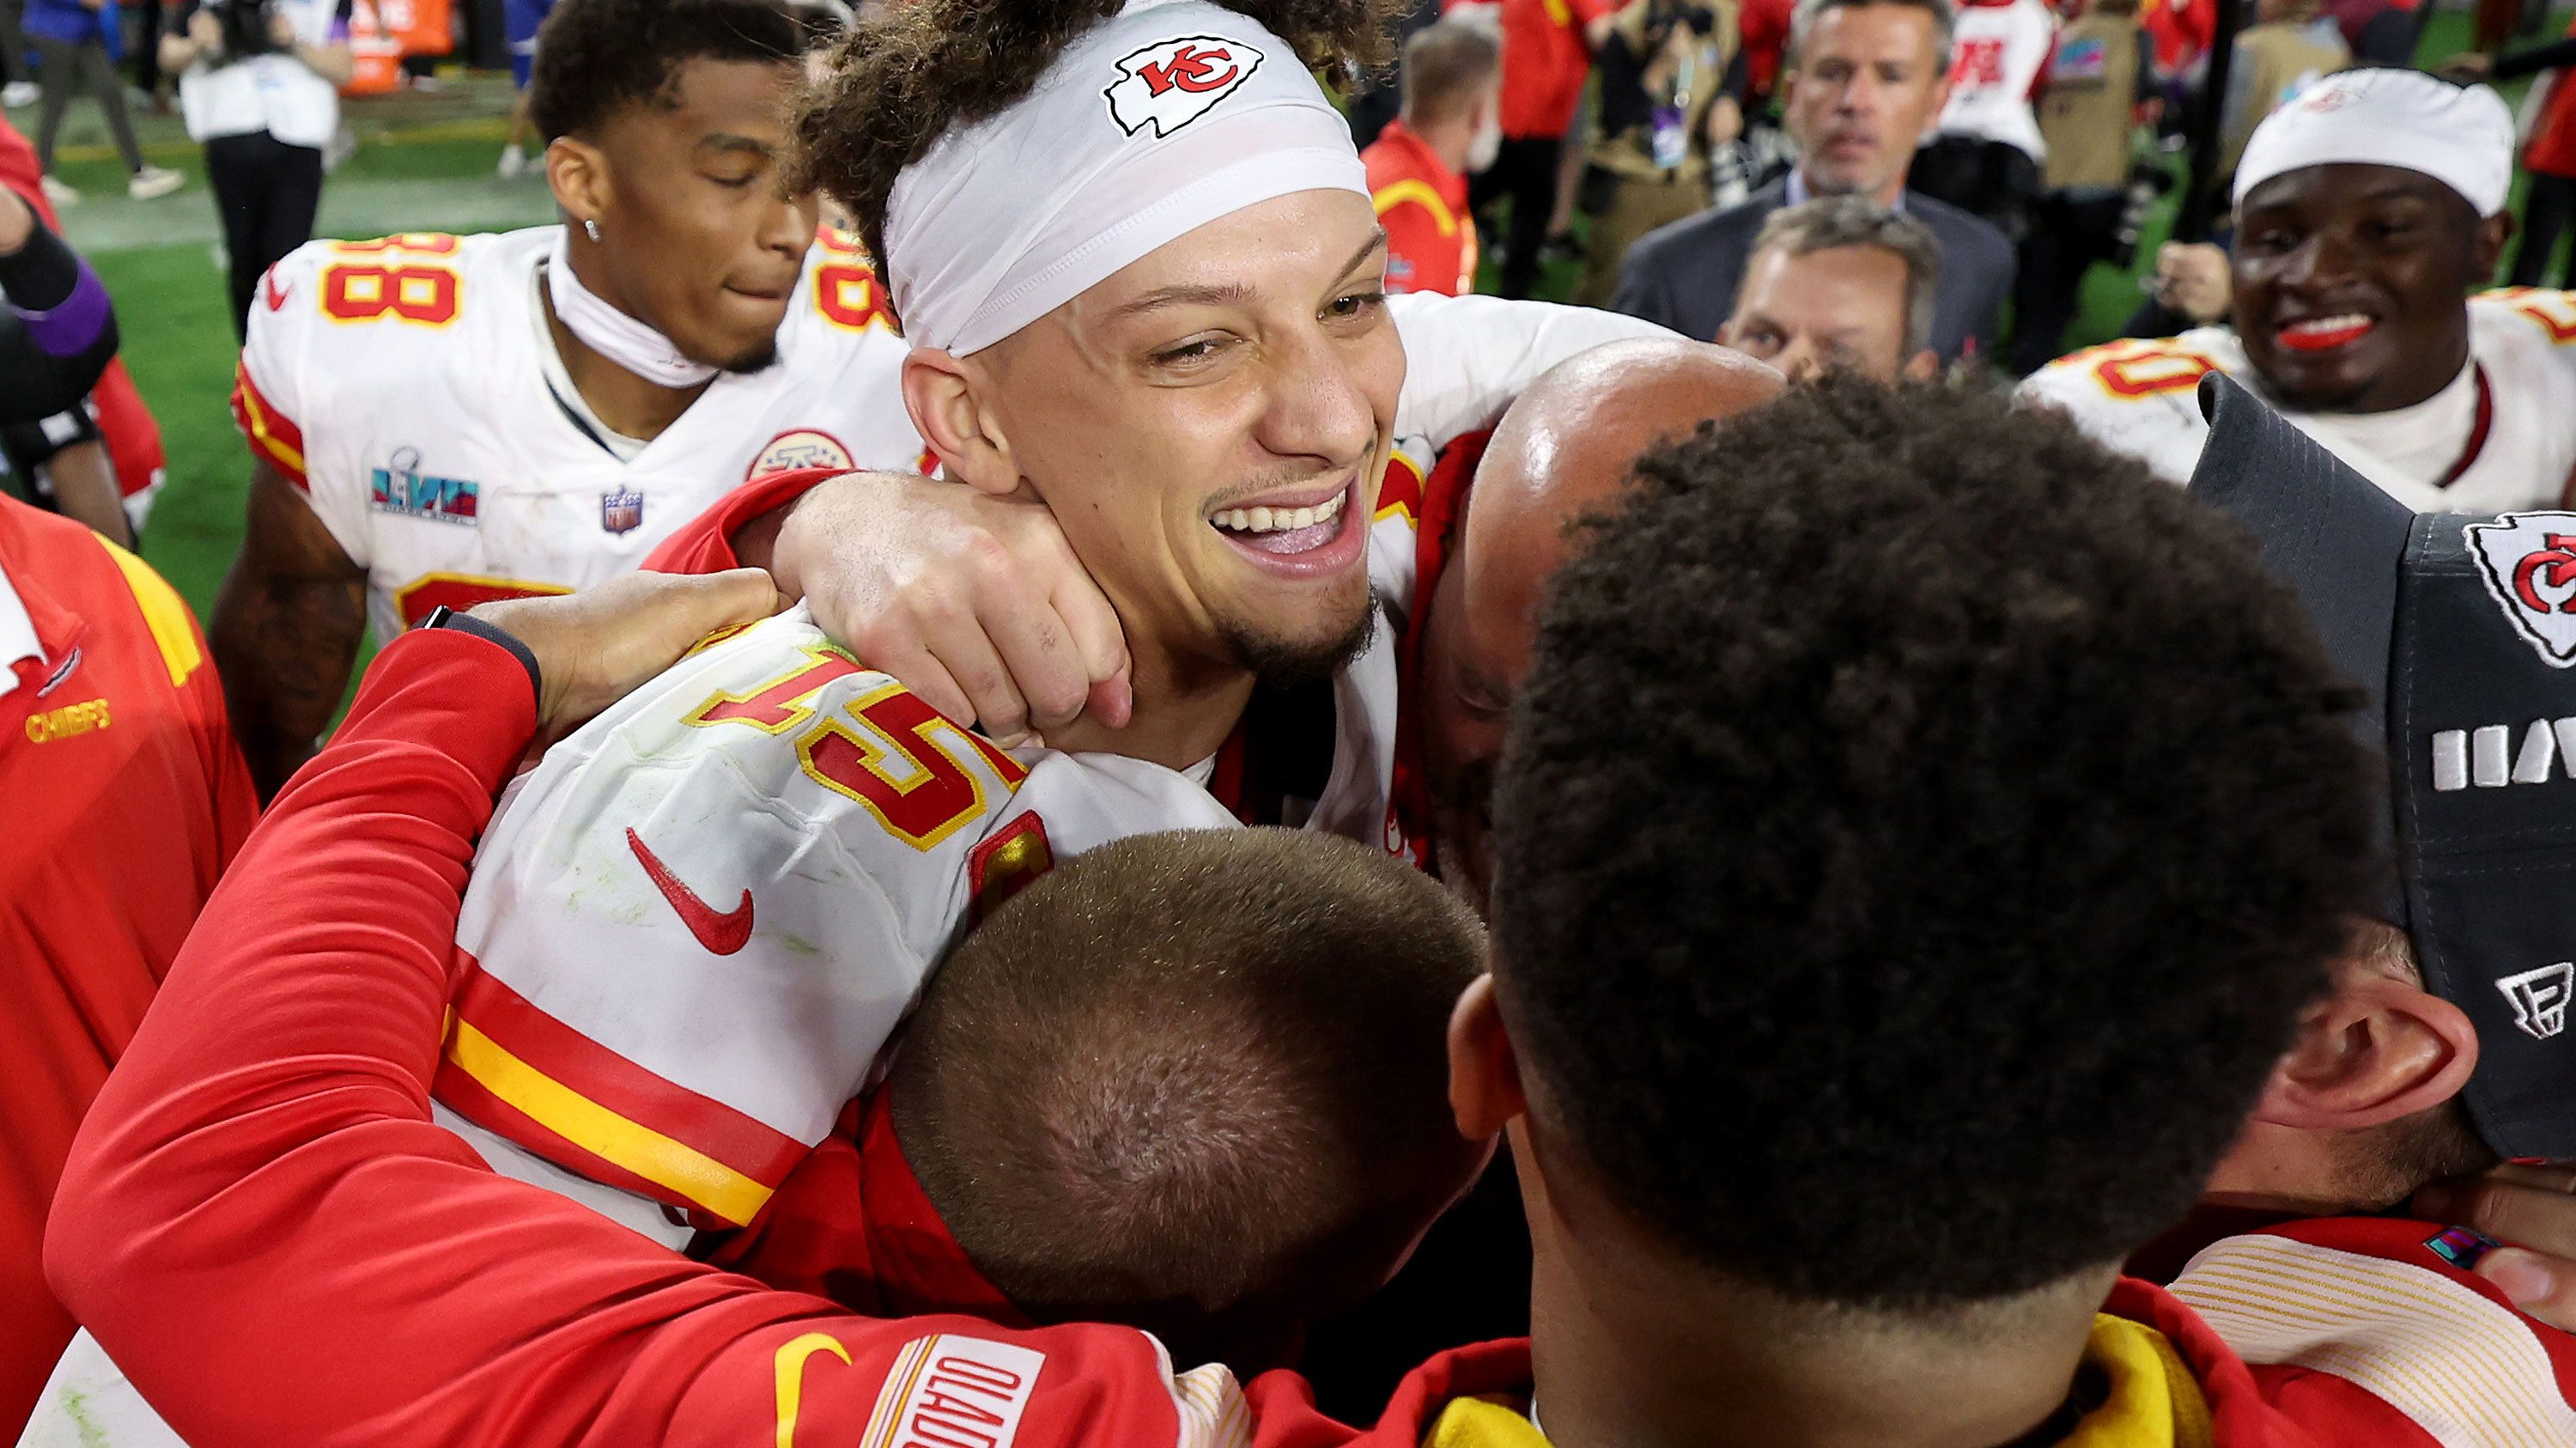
59,331
284,645
85,489
334,63
2521,63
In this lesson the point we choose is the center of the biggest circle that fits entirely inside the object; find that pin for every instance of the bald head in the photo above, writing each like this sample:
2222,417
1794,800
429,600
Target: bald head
1567,446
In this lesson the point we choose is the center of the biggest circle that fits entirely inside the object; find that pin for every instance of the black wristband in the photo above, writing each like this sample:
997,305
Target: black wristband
448,618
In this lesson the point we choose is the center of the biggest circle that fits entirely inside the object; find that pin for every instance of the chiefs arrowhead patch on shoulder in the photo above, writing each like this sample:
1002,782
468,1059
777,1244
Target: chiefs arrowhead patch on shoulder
1171,83
2528,561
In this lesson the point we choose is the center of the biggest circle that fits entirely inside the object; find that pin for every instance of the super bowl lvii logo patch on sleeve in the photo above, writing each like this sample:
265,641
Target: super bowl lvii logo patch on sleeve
2529,563
1171,83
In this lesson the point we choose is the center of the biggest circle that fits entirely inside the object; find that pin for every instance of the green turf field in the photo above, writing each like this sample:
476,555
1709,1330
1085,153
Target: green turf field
424,164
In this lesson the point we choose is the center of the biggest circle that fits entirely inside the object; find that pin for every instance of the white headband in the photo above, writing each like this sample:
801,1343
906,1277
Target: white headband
2459,136
1149,126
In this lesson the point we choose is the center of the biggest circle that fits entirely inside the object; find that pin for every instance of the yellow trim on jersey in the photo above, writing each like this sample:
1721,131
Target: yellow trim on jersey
253,409
603,1133
1421,193
174,629
2155,1400
1560,12
1476,1423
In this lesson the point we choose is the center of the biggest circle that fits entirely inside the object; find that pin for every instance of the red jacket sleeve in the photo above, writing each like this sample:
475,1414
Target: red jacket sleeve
263,1227
705,543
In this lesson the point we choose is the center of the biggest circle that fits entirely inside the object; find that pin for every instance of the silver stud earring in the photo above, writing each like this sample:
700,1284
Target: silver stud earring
590,228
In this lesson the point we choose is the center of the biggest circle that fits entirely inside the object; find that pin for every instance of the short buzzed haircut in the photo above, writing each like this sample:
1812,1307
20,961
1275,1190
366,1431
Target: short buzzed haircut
1802,21
1447,64
1919,831
1830,223
1182,1067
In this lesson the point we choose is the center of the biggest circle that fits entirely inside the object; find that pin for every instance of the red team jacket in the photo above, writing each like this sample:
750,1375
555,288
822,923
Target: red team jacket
121,799
1430,236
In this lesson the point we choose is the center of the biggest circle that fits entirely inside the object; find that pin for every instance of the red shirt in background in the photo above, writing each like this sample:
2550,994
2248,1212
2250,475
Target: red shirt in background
1430,238
1545,60
2180,30
1763,27
125,798
2552,151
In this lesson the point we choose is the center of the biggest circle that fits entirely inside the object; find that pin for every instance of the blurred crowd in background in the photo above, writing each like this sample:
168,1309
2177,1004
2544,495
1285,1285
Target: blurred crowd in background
1631,156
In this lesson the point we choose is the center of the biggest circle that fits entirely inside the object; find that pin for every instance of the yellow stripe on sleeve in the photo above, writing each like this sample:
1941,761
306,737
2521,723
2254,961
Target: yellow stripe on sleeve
658,1159
1416,190
174,629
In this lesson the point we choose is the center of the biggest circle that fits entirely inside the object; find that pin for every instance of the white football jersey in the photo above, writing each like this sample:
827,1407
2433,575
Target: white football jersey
403,385
692,928
2501,433
1997,51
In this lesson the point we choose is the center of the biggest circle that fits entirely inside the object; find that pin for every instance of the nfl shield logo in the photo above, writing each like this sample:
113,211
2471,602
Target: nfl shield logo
621,511
2529,563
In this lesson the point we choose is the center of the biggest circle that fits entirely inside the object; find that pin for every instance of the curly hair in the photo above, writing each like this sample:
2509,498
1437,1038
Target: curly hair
899,80
1918,832
595,57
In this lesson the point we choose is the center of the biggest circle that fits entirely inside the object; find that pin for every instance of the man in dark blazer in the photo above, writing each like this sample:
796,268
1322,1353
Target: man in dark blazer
1867,80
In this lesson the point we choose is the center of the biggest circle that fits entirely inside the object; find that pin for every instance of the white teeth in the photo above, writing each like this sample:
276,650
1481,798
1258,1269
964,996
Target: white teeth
2330,324
1278,520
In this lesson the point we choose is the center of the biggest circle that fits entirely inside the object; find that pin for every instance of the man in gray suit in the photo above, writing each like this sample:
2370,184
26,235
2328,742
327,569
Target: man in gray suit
1867,80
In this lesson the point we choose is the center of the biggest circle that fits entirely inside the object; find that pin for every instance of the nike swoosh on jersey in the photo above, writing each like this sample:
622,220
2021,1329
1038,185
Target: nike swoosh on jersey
721,934
276,295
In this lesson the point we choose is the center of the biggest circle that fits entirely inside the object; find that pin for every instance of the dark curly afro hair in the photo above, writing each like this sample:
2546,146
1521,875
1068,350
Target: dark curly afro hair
595,57
1919,831
899,80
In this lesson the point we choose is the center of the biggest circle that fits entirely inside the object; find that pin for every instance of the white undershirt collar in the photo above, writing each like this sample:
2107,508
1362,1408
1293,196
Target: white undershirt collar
2417,443
17,635
624,340
559,381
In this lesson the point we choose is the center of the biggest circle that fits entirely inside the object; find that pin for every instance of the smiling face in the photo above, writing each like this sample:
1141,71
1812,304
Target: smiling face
1868,83
2351,284
1209,427
695,238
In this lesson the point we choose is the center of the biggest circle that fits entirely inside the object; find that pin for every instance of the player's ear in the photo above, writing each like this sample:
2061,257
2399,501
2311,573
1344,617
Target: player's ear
578,175
1484,1071
2377,1050
2493,233
1925,366
942,394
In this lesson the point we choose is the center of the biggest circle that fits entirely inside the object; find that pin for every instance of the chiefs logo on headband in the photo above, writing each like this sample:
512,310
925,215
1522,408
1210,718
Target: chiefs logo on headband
1171,83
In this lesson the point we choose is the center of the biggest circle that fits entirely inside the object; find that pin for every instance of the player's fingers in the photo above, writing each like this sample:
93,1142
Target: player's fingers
917,670
2545,1287
1036,648
2543,1221
1102,644
956,640
701,606
2544,1178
